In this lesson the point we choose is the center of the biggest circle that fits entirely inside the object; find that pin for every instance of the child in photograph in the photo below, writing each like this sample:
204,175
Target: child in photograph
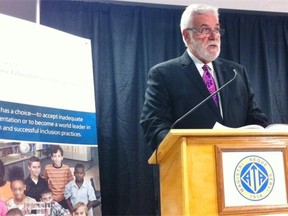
80,209
20,200
56,209
5,186
3,208
79,190
34,182
14,212
58,175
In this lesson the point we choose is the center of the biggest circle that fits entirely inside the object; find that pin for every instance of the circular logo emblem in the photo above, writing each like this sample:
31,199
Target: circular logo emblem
254,178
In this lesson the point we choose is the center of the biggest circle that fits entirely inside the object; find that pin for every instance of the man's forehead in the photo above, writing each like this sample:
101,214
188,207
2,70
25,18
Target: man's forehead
205,19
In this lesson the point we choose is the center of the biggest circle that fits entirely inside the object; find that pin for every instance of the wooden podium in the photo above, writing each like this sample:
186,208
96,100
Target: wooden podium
191,170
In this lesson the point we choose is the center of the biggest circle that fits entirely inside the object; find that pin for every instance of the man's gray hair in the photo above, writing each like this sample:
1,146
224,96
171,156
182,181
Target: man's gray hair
187,18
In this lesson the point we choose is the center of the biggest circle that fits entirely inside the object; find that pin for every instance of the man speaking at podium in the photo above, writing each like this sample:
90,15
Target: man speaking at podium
198,78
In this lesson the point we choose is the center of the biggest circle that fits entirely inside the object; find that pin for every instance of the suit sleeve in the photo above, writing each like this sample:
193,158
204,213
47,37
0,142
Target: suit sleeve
156,117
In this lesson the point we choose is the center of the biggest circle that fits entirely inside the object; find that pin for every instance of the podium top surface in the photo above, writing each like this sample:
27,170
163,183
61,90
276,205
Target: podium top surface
175,134
226,132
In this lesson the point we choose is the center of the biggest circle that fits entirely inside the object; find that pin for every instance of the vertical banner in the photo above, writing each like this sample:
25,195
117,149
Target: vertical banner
47,89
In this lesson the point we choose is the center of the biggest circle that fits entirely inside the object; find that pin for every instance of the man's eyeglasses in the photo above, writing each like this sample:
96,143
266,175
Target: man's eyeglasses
207,31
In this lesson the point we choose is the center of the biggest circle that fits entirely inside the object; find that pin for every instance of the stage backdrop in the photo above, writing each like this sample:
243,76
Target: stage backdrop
126,42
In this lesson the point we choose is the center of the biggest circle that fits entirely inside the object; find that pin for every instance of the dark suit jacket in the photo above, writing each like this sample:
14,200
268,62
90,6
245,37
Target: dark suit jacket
175,86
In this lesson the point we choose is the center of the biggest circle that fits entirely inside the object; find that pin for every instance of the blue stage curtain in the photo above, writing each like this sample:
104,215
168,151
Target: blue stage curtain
126,41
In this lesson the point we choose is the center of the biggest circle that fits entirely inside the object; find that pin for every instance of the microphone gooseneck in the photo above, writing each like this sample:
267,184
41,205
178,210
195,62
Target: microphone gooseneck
203,101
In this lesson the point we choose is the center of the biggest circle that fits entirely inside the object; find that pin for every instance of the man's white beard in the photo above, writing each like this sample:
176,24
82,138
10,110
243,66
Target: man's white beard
203,53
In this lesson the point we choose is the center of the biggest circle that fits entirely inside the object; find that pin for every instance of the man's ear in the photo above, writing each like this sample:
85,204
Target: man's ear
186,36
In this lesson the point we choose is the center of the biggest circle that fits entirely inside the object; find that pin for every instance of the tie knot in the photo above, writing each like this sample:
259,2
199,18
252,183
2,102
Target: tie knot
205,67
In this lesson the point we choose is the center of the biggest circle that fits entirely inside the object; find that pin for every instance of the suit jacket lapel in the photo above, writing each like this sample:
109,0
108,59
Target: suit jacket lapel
192,73
223,76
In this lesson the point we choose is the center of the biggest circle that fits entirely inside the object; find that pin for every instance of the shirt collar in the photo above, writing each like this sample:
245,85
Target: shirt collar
199,64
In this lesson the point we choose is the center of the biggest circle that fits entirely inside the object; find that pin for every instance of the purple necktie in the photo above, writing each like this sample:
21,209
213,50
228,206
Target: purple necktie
210,83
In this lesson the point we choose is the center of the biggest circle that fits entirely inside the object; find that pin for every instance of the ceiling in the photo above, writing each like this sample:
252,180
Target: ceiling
255,5
29,9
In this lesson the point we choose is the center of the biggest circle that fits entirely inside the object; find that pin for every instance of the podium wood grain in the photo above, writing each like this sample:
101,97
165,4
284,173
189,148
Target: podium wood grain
188,181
